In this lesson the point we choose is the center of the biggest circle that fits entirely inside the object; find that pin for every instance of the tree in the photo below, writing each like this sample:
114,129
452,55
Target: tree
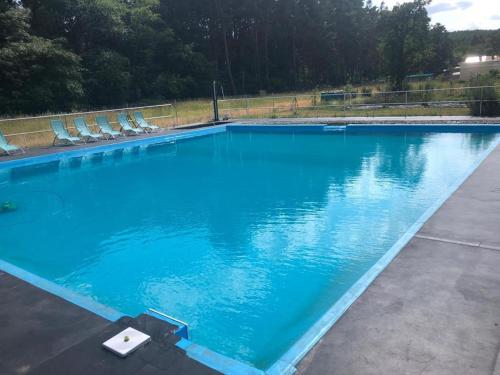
440,50
484,101
107,78
36,74
405,40
114,52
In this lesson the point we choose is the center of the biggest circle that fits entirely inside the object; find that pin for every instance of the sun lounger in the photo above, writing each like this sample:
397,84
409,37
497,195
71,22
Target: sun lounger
61,133
84,131
106,128
126,126
8,148
142,123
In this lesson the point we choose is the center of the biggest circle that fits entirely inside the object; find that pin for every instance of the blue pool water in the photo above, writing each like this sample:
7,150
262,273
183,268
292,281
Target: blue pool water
248,237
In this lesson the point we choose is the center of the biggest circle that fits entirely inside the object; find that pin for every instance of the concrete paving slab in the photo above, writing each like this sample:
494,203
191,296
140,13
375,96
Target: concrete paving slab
434,310
159,356
46,335
473,213
36,325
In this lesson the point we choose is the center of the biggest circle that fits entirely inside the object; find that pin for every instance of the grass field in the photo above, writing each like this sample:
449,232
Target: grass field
431,98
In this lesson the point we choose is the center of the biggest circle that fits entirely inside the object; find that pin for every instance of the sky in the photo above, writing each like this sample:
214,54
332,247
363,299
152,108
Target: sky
461,14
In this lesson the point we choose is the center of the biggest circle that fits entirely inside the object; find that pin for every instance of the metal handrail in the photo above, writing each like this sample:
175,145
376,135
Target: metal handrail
169,317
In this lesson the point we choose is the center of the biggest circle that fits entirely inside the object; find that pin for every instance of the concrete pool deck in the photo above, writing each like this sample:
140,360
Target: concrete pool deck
436,308
378,120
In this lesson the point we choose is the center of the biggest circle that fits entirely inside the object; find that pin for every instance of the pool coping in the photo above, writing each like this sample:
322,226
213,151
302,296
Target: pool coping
286,363
386,120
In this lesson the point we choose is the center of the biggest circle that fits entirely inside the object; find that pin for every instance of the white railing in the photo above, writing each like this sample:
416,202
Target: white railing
166,111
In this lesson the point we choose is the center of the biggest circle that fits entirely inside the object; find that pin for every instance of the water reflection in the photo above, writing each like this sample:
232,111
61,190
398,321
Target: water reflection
238,234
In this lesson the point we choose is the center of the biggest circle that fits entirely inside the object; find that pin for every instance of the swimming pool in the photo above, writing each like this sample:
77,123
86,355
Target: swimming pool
250,236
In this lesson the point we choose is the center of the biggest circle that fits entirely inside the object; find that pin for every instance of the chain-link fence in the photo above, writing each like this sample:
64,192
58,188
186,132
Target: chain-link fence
432,102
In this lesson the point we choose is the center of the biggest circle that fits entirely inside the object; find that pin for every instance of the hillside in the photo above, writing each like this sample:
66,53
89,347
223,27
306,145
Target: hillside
475,42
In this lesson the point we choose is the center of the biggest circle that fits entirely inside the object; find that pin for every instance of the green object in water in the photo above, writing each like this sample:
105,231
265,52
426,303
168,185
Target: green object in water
7,207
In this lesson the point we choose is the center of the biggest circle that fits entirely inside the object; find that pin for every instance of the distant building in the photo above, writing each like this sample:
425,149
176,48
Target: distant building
476,65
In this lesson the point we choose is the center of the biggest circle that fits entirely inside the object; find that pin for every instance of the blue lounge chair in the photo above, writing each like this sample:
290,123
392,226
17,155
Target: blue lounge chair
84,131
61,133
8,148
142,123
127,126
106,128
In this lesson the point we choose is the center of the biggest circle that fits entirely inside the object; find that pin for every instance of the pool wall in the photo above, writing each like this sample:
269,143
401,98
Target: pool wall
286,363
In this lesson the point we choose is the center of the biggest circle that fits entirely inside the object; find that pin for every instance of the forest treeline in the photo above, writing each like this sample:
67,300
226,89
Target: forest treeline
59,55
476,42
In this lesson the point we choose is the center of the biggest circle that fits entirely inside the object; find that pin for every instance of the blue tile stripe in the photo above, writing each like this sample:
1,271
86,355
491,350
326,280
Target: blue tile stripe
217,361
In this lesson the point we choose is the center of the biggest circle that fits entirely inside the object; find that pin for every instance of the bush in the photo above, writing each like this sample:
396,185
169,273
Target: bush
484,101
367,91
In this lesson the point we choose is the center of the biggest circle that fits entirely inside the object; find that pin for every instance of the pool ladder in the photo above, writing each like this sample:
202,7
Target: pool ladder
183,330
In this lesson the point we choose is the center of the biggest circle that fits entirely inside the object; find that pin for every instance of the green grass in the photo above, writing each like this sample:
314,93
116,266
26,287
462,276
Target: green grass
285,105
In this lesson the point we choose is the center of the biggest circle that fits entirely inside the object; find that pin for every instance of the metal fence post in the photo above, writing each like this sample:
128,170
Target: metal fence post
215,102
406,104
344,106
176,119
481,104
315,104
295,105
